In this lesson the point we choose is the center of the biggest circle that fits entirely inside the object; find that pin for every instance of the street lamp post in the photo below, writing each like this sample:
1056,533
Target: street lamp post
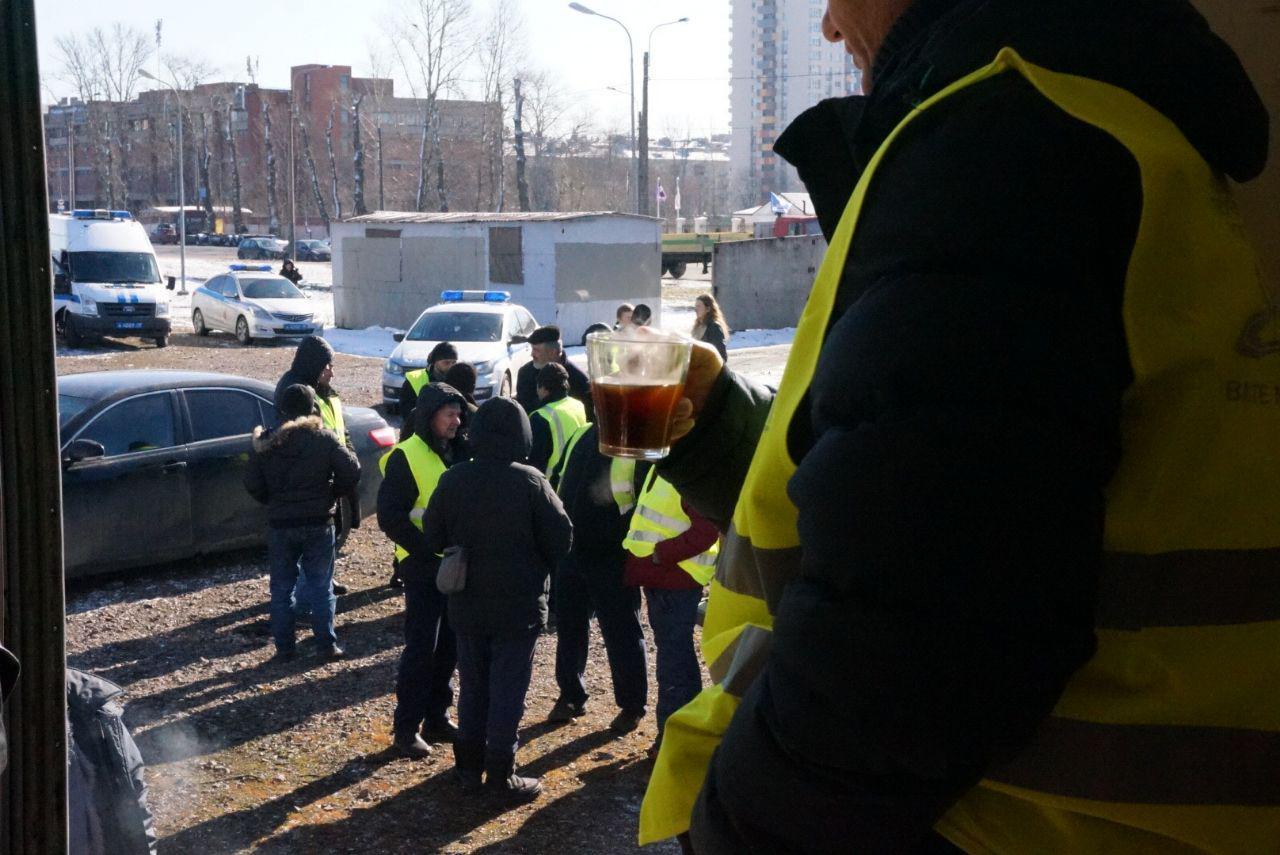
641,193
182,185
644,119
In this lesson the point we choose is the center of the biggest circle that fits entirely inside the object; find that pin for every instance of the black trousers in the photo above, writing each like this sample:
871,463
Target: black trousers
423,690
584,590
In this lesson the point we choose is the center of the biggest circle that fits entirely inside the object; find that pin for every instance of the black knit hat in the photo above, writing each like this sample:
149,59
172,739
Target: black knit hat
443,350
545,335
296,401
553,377
462,376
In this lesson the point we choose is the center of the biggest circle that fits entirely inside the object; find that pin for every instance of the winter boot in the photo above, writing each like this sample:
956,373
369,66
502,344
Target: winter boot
468,764
501,780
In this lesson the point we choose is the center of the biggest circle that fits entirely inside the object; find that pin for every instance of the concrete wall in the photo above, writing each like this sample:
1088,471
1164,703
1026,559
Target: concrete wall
763,284
576,272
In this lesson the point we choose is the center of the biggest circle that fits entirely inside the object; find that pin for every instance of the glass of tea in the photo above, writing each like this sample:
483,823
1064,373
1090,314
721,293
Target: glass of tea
637,378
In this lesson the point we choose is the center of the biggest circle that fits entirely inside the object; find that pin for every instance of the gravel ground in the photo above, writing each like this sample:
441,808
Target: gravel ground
244,754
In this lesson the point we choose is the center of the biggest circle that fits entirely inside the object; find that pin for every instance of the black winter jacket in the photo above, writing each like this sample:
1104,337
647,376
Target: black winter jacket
399,490
507,518
963,420
298,471
312,355
527,386
587,493
107,811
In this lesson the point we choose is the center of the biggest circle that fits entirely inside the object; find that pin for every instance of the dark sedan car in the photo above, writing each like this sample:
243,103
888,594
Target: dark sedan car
153,465
311,250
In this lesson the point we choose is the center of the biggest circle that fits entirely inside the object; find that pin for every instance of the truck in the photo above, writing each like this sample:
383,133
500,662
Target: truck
679,250
106,279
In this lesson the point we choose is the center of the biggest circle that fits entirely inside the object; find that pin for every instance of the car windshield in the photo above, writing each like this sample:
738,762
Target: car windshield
269,289
456,326
132,267
69,406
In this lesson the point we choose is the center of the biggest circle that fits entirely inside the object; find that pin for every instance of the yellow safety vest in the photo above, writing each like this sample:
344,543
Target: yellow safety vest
564,416
622,483
1169,738
331,415
426,466
660,516
418,378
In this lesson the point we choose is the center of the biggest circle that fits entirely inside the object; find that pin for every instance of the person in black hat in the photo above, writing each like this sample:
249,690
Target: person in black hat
547,348
441,358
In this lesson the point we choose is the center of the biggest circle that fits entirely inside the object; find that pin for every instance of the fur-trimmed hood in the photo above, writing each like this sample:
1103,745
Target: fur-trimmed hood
266,439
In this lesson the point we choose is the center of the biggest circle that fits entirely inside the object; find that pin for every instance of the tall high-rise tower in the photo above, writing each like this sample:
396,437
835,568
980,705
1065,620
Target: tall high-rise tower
780,66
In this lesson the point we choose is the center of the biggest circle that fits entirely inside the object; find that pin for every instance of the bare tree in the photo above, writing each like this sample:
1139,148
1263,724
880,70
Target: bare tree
499,50
236,194
429,42
315,177
517,125
120,53
333,163
273,211
357,147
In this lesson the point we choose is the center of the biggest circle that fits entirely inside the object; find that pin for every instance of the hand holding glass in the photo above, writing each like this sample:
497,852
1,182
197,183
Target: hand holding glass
637,379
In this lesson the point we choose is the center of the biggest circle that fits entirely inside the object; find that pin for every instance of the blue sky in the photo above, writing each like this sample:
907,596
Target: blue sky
690,73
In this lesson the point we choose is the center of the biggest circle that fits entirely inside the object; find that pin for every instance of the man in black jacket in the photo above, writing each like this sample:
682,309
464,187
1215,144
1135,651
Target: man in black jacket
963,419
423,693
547,348
298,471
589,581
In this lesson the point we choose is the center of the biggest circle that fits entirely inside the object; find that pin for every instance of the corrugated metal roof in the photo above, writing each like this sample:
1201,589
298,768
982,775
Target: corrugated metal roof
386,217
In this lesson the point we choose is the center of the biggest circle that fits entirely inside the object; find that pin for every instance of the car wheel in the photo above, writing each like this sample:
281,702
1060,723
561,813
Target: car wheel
242,331
342,522
162,341
70,335
197,323
594,328
240,254
677,270
504,390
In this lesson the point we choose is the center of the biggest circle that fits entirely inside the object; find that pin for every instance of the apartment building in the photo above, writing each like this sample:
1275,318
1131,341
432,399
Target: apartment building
780,65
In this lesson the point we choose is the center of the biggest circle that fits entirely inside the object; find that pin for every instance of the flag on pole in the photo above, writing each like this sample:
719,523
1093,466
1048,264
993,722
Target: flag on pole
662,194
677,202
778,205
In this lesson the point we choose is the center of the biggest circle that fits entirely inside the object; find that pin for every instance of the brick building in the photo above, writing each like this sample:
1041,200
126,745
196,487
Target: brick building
125,154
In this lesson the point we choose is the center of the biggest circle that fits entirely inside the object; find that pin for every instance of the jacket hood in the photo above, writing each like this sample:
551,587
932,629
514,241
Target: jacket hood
87,691
312,355
1162,51
433,397
500,431
270,440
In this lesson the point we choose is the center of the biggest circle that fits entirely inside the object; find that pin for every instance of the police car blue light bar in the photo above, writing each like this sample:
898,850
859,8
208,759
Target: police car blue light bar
100,214
475,296
261,268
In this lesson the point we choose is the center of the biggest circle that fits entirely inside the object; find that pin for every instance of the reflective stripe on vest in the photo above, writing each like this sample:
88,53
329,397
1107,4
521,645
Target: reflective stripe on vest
418,378
659,516
331,415
426,466
622,482
564,416
1169,738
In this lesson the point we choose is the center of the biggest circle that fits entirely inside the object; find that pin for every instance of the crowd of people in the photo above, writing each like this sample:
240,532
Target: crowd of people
514,497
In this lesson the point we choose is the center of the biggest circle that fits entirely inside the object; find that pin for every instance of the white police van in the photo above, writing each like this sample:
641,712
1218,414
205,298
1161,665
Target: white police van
252,302
106,279
489,331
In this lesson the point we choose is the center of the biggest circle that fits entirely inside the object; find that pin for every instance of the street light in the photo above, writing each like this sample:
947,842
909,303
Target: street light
631,70
182,184
644,118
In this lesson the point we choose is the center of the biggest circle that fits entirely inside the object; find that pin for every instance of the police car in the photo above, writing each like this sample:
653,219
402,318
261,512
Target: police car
252,302
489,331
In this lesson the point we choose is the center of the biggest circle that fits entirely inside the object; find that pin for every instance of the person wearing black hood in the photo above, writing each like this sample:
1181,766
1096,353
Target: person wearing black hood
441,358
975,542
313,366
411,472
290,271
513,529
298,470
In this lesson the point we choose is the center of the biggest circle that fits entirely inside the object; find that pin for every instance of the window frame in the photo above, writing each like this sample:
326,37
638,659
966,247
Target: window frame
262,404
506,266
174,414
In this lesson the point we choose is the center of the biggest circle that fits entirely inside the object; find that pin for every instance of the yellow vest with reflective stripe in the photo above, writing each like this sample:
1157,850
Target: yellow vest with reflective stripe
564,416
622,483
1169,738
331,415
659,516
426,466
418,378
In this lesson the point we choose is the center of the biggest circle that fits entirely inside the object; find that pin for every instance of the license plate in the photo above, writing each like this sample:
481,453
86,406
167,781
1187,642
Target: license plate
128,325
297,327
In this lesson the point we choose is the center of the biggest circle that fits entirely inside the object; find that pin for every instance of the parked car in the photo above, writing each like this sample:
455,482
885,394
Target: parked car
311,250
261,248
252,302
164,233
153,465
488,330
